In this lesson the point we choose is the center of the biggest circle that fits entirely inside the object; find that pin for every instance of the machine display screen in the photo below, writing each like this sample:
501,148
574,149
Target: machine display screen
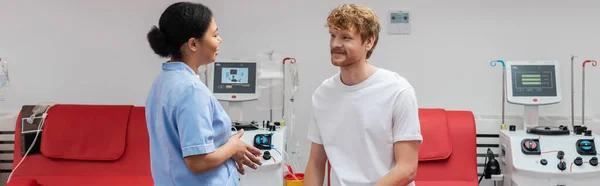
533,80
234,78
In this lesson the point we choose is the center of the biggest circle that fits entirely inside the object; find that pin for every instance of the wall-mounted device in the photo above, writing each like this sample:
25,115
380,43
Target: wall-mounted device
399,22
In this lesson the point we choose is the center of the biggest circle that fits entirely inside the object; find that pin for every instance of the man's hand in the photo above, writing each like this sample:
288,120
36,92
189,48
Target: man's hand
404,172
245,154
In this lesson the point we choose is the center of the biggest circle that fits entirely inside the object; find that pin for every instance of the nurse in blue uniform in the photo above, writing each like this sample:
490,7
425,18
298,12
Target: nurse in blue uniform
190,133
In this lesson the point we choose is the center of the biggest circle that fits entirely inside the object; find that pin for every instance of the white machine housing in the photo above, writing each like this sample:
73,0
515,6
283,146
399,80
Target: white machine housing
543,155
271,172
532,83
522,169
226,87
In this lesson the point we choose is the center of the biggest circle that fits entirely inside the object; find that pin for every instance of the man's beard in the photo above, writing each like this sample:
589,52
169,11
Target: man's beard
340,51
346,62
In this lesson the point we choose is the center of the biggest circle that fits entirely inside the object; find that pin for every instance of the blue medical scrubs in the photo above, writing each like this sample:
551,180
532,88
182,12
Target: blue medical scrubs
185,119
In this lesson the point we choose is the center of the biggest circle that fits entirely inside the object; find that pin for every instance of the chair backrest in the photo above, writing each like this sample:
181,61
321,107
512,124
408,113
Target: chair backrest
126,126
448,151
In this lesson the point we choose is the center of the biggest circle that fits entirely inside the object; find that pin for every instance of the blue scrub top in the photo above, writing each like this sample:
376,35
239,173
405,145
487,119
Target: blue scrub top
184,119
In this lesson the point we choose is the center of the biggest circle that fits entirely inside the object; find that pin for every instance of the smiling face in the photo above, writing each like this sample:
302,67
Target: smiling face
347,47
209,47
206,48
354,34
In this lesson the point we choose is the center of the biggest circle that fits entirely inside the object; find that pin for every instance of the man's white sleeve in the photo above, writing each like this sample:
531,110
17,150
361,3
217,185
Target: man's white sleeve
406,124
313,131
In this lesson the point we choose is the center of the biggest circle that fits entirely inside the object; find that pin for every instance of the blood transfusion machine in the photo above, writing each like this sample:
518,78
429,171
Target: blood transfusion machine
544,155
235,82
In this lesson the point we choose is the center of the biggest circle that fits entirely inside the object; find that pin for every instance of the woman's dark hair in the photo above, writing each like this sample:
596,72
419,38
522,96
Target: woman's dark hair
178,23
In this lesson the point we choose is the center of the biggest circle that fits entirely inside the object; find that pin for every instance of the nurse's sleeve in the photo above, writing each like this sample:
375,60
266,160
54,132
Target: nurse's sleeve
406,124
194,122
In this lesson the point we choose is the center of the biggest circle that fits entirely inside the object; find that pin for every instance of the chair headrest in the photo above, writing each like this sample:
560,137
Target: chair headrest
437,143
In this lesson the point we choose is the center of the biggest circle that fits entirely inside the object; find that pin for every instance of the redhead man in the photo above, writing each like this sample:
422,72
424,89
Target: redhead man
365,119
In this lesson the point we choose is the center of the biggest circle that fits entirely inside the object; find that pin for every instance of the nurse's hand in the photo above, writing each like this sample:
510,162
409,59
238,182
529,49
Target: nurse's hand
245,154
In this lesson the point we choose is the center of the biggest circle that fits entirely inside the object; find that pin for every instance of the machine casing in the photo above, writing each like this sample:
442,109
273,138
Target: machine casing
522,169
271,172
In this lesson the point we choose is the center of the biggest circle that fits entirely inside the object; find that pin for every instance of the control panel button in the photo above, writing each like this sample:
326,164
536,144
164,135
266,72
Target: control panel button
544,162
594,161
530,146
560,155
267,155
578,130
578,161
586,147
562,165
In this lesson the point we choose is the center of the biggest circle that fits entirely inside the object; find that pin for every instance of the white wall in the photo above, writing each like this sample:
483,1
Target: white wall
447,55
53,46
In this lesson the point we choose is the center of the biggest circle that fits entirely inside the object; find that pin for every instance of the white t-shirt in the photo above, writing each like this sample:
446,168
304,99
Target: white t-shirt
358,125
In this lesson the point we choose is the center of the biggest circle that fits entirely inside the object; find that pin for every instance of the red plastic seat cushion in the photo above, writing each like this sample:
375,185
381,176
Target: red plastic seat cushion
446,183
22,182
89,132
92,181
437,143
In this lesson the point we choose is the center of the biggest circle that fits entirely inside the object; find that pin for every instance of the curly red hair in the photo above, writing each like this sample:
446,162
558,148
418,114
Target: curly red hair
358,19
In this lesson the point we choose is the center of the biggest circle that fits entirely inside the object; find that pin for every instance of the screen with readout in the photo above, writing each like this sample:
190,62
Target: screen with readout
533,80
231,77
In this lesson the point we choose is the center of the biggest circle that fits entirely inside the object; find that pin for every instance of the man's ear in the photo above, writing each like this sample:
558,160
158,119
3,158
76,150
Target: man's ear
370,42
193,44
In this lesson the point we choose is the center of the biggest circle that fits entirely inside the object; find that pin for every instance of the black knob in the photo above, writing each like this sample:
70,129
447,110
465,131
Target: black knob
577,129
562,165
544,162
560,155
277,123
588,133
578,161
512,128
594,161
267,155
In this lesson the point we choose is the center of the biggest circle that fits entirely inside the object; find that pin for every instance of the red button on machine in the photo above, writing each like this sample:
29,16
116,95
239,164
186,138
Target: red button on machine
233,96
535,99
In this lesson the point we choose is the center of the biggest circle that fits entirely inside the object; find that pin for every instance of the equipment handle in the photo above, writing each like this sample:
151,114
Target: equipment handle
493,63
594,63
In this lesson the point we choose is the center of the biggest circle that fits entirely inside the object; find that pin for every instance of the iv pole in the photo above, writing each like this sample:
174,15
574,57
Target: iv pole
493,64
594,63
572,93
